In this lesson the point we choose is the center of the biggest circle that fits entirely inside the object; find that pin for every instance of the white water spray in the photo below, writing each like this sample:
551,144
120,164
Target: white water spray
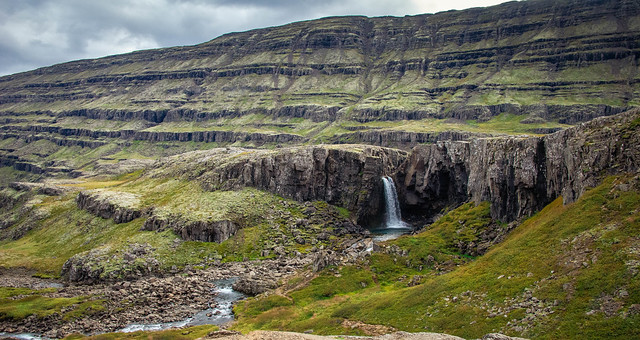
394,218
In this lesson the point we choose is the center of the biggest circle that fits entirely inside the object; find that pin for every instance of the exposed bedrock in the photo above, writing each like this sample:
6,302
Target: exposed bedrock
120,207
402,139
348,176
207,231
152,136
20,164
107,207
519,176
566,114
313,112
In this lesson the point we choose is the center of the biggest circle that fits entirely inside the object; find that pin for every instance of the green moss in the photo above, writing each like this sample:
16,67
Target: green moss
7,292
40,306
85,309
255,306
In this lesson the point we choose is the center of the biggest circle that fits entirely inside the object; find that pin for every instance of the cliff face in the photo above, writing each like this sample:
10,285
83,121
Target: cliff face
567,61
106,207
206,231
347,176
519,176
402,139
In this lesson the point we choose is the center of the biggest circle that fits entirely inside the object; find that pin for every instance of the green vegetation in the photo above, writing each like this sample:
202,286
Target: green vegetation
19,303
567,272
172,334
266,223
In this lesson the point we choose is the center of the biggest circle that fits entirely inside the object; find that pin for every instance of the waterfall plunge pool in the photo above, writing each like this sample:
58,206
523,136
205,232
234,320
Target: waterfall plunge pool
393,226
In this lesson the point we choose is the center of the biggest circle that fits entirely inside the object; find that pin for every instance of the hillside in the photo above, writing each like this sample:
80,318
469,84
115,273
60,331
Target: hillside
569,272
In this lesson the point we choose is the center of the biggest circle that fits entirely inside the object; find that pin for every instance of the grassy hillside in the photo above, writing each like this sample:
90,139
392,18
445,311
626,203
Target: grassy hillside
567,272
56,229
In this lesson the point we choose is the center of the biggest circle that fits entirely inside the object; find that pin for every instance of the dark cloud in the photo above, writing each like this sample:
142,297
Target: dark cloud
35,33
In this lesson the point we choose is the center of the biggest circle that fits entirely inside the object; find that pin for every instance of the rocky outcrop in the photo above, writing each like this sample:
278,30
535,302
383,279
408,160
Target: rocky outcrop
20,164
254,286
59,141
41,188
207,231
402,139
117,206
519,176
95,265
70,136
348,177
13,208
567,114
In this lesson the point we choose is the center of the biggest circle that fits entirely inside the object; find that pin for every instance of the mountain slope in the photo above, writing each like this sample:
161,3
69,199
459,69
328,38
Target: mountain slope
527,52
539,64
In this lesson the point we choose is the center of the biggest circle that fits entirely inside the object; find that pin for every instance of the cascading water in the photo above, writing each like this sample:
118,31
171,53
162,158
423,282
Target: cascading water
393,216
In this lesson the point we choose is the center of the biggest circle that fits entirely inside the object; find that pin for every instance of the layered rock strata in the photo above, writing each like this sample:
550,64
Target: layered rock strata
121,207
540,57
207,231
519,176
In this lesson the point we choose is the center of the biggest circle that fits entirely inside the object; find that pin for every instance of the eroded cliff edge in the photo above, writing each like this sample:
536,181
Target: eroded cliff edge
347,176
519,176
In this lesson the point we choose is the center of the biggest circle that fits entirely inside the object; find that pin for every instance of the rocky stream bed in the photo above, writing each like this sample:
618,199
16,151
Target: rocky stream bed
185,298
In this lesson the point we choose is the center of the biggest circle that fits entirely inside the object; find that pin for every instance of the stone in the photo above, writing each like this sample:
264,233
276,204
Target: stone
253,286
321,260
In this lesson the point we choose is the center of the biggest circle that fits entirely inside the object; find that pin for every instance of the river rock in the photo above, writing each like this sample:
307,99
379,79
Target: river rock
253,286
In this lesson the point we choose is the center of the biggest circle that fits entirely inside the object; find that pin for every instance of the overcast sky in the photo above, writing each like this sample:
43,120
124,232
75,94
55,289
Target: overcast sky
36,33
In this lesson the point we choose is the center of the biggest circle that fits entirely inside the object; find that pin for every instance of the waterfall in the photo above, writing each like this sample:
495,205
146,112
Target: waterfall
394,218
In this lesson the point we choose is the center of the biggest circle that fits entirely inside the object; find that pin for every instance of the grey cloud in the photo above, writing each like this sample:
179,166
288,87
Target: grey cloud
35,33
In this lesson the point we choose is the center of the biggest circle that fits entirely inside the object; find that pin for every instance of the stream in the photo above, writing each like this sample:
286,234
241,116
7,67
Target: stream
222,313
